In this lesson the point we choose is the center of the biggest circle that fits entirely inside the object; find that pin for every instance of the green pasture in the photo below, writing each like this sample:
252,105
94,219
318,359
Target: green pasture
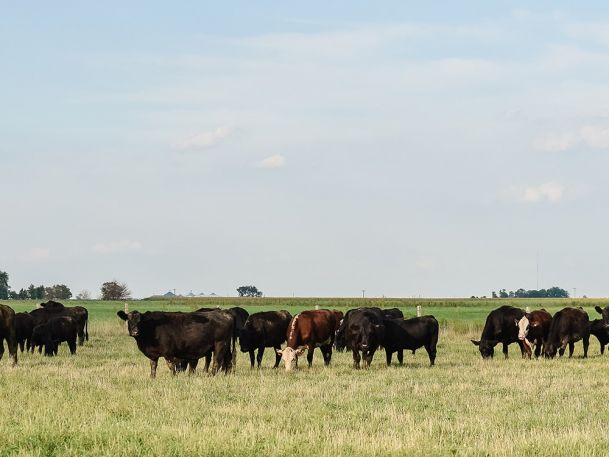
101,402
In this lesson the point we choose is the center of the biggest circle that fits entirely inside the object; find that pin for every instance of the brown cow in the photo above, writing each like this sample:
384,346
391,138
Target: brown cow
308,330
533,329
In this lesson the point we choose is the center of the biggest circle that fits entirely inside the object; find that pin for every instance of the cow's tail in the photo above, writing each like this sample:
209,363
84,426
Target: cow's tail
87,327
234,344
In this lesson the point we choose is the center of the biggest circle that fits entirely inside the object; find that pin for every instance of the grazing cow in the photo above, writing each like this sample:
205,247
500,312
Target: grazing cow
411,334
52,309
568,326
308,330
55,331
266,329
24,325
177,337
362,329
599,330
7,332
499,328
533,329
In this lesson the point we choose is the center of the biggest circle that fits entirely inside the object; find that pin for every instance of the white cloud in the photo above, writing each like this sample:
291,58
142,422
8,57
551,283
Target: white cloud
206,140
119,246
36,255
588,136
274,161
550,191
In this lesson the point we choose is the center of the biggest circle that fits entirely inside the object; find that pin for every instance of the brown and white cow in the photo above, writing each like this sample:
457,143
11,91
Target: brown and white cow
533,329
309,330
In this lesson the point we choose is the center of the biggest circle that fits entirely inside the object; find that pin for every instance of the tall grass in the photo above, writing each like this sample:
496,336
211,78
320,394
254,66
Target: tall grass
101,402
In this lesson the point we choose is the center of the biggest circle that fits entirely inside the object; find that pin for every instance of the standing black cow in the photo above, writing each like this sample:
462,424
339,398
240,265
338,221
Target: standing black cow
568,326
7,332
361,329
24,325
599,330
266,329
55,331
177,336
411,334
52,309
500,328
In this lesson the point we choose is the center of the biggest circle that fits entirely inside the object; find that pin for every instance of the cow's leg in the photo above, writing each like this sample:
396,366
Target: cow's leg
153,365
401,356
21,345
505,349
81,335
571,348
192,366
388,355
72,346
525,349
602,348
252,357
207,362
369,357
310,355
277,356
172,365
260,355
586,343
1,348
326,351
431,352
538,344
356,359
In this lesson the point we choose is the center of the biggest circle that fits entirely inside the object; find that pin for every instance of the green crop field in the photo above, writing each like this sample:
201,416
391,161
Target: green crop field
101,401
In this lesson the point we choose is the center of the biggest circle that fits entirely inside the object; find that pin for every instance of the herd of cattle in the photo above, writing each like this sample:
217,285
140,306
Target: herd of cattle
183,338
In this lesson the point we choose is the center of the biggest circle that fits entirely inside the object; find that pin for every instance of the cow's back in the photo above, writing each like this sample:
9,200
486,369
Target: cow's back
312,328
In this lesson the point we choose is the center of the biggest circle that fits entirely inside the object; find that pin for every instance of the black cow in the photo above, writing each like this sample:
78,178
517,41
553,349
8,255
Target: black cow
55,331
182,337
599,330
52,309
24,325
411,334
392,313
500,328
266,329
7,332
361,329
568,326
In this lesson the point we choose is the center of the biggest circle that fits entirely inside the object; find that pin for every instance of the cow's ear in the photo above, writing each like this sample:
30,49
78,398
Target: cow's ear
122,315
301,351
516,322
477,343
598,309
279,352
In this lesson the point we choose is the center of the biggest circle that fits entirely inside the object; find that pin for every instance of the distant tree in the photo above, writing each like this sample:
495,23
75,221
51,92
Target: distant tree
249,291
22,294
4,288
495,294
13,295
503,294
83,295
114,290
553,292
35,293
58,292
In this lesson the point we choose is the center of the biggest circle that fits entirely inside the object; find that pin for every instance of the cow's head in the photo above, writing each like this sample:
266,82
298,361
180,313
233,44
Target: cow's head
524,324
605,313
134,319
290,357
486,347
549,350
372,337
245,340
339,338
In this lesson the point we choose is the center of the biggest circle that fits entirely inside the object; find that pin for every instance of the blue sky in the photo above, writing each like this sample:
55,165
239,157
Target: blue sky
408,150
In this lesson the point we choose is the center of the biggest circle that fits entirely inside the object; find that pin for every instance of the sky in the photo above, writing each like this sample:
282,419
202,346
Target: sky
442,149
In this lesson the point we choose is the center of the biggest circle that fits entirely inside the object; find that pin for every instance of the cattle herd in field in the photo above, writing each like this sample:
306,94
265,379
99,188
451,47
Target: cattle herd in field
183,338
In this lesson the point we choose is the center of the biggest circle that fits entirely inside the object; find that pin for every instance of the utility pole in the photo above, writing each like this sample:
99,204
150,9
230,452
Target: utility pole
363,293
575,292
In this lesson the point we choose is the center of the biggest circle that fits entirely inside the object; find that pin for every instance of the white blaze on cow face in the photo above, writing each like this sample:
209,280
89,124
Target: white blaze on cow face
290,357
523,328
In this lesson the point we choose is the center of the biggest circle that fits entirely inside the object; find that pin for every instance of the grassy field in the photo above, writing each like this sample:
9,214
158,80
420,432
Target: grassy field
102,403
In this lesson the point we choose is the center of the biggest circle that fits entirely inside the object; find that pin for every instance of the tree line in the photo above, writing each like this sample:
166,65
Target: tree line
111,290
552,292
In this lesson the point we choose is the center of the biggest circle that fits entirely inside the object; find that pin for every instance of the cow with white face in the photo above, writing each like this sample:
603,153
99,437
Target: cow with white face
290,357
533,329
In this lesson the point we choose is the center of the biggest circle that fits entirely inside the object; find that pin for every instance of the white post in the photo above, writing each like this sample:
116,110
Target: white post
316,306
527,309
419,311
